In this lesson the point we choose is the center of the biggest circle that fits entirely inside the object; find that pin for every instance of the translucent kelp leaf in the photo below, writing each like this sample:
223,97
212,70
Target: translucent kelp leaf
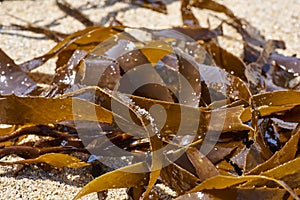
134,58
180,114
142,116
222,150
64,78
118,45
122,178
86,39
223,182
156,161
12,79
291,116
128,115
285,154
133,62
239,159
223,85
237,193
257,153
182,161
276,132
278,78
55,159
177,178
260,193
156,50
256,71
282,71
275,102
178,67
226,60
98,34
251,53
7,129
40,110
291,63
203,166
149,84
199,33
225,168
99,70
38,61
193,119
287,173
249,33
184,39
189,76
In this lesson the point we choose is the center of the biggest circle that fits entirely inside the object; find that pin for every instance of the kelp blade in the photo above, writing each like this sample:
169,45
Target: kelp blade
121,178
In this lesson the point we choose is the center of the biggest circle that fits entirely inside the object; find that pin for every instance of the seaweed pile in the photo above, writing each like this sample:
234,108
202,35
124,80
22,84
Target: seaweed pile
173,104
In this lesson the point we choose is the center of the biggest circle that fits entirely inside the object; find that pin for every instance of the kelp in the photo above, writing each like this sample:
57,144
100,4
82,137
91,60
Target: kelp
124,177
55,159
13,80
30,110
240,193
181,109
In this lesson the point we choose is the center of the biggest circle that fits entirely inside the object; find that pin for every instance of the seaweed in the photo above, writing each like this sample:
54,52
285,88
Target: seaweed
184,111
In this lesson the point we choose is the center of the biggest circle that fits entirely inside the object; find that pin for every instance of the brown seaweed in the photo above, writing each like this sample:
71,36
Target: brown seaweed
161,100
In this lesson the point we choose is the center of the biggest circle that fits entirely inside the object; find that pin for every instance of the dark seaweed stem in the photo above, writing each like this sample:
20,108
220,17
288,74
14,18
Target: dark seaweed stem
40,130
28,152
